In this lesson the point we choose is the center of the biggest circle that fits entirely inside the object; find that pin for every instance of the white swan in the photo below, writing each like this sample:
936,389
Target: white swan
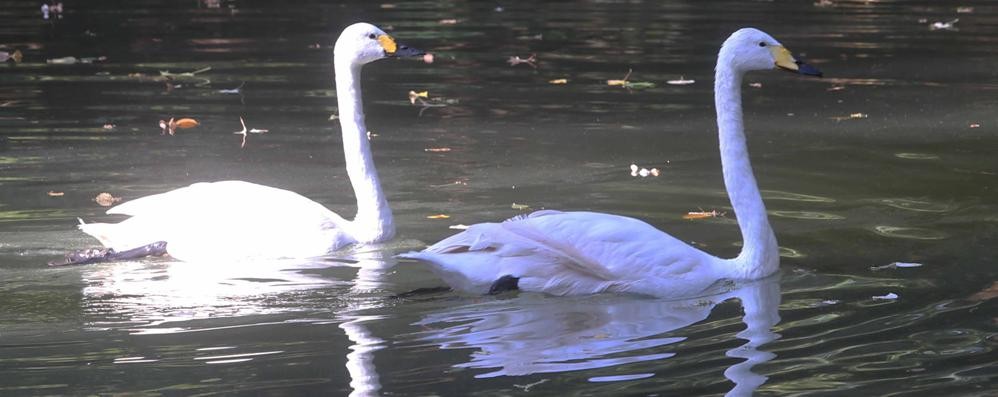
569,253
235,219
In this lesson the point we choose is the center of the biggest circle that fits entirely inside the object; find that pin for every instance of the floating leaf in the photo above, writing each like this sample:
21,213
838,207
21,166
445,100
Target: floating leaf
53,193
516,60
106,199
437,149
755,85
438,216
413,96
558,81
186,123
449,21
520,207
702,214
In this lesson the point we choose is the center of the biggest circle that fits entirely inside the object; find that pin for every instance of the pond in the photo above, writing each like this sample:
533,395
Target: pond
888,158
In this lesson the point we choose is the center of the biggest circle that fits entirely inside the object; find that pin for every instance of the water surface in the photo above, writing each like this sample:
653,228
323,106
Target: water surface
888,158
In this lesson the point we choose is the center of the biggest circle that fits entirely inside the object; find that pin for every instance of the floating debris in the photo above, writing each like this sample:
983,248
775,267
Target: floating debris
703,214
637,85
437,149
172,126
75,60
520,207
824,3
428,58
987,293
413,96
964,10
850,117
974,125
244,132
109,126
680,81
889,297
949,25
755,85
438,216
644,172
106,199
558,81
16,56
458,226
516,60
53,193
449,21
836,88
895,265
235,91
526,387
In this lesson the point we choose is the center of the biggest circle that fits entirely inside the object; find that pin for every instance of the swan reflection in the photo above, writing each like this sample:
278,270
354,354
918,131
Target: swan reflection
161,297
540,334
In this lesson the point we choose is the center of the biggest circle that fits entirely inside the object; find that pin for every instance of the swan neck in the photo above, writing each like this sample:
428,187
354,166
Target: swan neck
373,222
760,254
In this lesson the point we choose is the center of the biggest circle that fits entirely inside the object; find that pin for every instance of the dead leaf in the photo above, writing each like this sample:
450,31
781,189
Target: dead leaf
520,207
702,214
438,216
186,123
558,81
987,293
53,193
516,60
450,21
413,96
755,85
106,199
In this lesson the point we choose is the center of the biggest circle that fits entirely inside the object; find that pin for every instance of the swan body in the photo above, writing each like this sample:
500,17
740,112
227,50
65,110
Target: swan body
236,219
572,253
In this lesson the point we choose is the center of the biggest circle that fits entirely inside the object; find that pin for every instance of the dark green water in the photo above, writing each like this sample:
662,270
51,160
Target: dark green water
888,158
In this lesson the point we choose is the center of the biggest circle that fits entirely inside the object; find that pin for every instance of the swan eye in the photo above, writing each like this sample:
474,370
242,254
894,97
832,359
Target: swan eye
762,44
372,36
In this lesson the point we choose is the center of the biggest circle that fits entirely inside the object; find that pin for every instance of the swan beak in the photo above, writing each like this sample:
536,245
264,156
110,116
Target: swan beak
393,49
787,62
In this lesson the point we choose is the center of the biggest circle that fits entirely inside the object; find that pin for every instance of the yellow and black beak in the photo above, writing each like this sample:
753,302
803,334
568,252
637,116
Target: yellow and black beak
787,62
393,49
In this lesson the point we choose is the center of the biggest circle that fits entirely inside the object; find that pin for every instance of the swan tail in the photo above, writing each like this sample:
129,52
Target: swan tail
120,236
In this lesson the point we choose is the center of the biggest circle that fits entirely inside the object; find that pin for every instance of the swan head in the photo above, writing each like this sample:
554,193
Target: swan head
363,43
752,49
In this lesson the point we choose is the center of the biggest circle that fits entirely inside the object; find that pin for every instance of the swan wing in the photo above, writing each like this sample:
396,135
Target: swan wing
566,253
225,219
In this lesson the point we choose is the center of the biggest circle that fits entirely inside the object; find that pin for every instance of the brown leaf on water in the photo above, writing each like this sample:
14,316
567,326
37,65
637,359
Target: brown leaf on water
186,123
558,81
438,216
53,193
105,199
987,293
413,96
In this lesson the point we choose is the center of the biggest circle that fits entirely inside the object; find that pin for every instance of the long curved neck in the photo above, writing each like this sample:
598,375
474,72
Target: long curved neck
760,253
373,222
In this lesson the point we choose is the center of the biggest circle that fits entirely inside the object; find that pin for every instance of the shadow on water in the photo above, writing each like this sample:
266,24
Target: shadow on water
889,158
